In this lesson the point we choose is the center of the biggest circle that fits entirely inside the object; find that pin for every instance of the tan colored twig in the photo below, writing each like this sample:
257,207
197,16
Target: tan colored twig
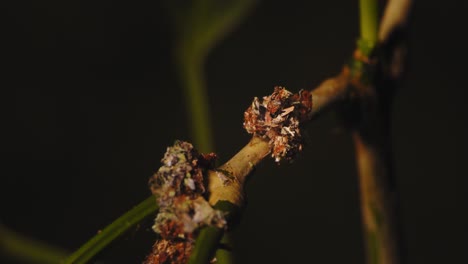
377,202
395,16
237,169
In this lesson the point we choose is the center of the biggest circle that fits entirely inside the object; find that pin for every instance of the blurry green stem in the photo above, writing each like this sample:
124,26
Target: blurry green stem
206,244
197,105
225,255
368,13
112,231
200,27
28,250
208,240
376,193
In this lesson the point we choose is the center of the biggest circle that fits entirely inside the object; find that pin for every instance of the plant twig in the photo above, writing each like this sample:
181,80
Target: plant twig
28,250
328,93
371,125
243,163
204,24
224,254
368,14
195,93
112,231
395,16
208,238
377,202
372,160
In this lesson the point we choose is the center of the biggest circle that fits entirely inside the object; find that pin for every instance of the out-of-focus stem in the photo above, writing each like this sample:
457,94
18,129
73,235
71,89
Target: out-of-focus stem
368,14
371,134
27,250
112,231
197,105
377,204
329,92
395,16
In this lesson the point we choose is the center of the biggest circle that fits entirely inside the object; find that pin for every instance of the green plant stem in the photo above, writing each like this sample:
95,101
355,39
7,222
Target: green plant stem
196,99
112,231
224,255
28,250
209,237
368,14
204,24
206,245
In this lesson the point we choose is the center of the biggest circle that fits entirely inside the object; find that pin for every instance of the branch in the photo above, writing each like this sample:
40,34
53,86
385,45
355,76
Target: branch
373,161
371,134
324,96
392,37
226,184
368,14
395,16
201,26
112,231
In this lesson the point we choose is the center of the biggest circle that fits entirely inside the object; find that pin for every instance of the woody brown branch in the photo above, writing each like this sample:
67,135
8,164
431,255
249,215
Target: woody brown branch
377,207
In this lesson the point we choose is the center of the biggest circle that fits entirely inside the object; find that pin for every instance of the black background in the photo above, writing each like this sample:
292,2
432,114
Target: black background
91,99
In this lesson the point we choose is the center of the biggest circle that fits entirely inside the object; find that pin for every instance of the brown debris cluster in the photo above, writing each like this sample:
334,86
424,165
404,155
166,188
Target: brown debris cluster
278,117
167,251
180,187
180,172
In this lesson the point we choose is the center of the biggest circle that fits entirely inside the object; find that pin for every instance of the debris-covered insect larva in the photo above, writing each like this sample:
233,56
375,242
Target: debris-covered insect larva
277,117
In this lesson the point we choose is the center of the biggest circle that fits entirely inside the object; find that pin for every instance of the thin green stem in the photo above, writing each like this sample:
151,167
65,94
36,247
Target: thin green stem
209,238
206,244
224,255
196,99
112,231
28,250
368,14
204,24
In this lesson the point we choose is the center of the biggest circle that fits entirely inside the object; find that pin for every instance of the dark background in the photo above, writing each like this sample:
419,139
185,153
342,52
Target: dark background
91,100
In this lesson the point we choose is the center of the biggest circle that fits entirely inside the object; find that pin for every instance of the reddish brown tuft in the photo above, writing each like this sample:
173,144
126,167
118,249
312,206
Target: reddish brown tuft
172,229
166,252
304,99
277,117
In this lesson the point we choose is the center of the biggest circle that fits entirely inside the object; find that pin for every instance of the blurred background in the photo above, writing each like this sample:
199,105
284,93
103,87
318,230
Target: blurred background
92,98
